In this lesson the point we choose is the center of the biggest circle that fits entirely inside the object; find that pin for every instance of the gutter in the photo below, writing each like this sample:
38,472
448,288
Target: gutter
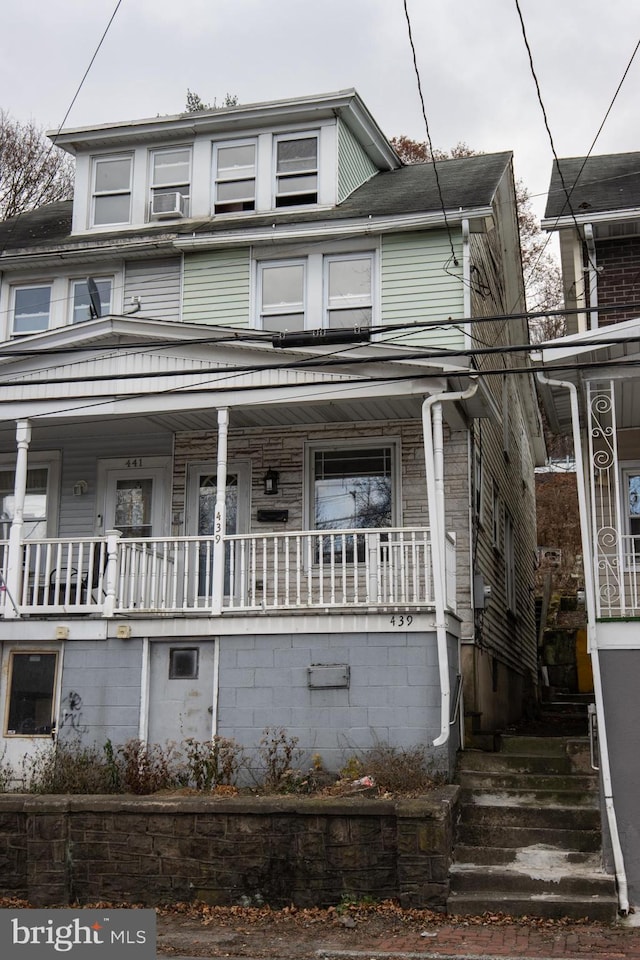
590,600
434,470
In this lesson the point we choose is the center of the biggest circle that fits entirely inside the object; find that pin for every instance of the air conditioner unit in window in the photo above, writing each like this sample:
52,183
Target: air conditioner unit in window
166,205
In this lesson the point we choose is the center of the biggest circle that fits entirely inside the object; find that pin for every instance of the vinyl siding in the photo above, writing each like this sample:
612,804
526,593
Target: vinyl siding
354,166
217,287
416,286
157,283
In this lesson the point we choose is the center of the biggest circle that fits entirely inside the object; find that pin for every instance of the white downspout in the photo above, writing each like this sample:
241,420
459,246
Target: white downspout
593,276
590,601
466,283
434,470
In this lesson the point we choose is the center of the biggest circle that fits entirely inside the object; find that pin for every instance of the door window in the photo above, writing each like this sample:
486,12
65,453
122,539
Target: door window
31,694
133,507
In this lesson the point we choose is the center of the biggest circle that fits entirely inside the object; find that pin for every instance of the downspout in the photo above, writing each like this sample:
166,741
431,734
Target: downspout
434,469
220,525
466,283
593,275
590,601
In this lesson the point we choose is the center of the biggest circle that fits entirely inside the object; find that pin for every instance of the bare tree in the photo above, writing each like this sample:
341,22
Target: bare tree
32,170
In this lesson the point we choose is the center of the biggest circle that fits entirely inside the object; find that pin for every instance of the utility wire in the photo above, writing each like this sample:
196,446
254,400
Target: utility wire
426,124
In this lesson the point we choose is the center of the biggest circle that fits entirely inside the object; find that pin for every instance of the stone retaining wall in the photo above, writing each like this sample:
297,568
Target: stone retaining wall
56,850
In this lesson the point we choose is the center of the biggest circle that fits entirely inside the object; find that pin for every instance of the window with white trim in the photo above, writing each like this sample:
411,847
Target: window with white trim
631,507
315,292
235,177
31,308
282,295
35,502
31,694
170,183
348,299
296,169
81,305
352,486
111,196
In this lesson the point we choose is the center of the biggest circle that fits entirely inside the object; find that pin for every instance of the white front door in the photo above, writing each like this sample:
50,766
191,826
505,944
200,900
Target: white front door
181,690
133,496
29,694
201,507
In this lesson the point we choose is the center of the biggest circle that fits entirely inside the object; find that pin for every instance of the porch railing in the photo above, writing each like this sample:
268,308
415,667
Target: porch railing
303,570
617,576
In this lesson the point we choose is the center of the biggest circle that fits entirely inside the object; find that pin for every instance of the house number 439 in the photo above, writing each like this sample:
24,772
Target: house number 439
399,620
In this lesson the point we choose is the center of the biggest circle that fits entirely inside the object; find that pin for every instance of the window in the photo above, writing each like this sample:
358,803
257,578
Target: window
31,694
296,170
316,292
282,296
81,306
348,291
631,494
510,562
170,183
35,504
496,510
353,488
31,308
112,190
183,663
235,178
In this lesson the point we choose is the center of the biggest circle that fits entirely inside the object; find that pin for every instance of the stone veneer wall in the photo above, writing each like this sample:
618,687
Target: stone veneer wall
57,850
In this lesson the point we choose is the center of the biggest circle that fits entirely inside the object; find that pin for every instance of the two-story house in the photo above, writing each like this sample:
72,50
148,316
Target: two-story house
253,473
591,389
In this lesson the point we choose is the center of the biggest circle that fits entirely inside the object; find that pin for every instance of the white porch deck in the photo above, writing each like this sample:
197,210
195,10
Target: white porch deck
264,573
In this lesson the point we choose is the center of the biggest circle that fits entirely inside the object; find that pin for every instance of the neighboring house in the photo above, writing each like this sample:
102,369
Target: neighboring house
223,368
595,393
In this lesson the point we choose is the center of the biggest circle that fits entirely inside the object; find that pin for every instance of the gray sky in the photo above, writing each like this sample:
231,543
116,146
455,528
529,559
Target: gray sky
472,59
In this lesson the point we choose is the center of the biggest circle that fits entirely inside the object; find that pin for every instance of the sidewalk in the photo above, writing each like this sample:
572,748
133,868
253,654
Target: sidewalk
415,935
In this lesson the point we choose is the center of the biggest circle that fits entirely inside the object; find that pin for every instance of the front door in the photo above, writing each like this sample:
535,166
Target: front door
181,690
29,694
200,522
133,496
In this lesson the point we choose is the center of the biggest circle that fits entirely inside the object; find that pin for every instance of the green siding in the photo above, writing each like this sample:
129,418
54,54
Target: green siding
217,287
354,166
417,287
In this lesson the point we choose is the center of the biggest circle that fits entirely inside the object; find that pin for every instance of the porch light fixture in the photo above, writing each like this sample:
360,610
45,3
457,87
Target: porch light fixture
271,478
80,488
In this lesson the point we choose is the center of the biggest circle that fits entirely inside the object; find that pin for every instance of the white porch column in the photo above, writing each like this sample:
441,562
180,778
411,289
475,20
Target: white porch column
221,513
111,573
13,577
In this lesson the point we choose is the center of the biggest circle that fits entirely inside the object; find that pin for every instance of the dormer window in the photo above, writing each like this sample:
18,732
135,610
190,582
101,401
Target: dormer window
170,184
111,191
235,177
296,170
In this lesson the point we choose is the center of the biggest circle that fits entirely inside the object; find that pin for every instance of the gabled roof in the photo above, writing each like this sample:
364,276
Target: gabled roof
596,185
467,185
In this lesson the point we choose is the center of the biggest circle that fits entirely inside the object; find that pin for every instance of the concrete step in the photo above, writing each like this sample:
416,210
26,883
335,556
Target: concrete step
556,783
549,905
513,763
483,810
518,796
520,877
524,746
498,835
532,855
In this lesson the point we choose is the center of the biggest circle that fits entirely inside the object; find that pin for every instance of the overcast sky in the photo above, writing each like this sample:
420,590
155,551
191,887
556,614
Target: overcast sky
473,65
